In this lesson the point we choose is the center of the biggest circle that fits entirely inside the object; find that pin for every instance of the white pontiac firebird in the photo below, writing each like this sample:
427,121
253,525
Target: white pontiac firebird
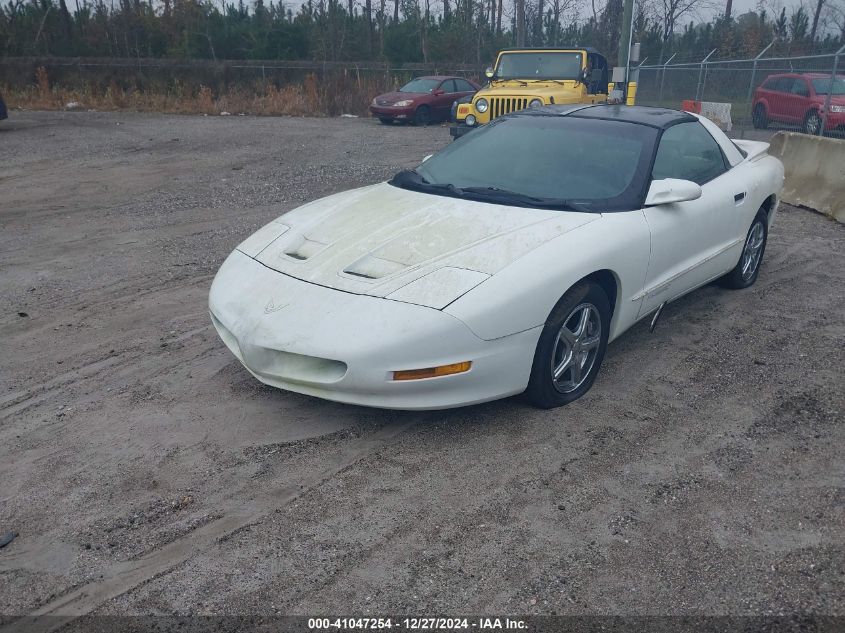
503,265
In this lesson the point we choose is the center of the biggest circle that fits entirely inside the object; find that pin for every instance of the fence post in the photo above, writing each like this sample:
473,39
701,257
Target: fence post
830,89
699,87
663,77
753,77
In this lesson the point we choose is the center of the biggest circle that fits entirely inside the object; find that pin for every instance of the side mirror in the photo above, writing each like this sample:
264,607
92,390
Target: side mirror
671,190
489,72
439,92
425,158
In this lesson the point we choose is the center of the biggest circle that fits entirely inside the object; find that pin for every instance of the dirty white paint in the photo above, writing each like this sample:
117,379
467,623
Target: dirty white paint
331,298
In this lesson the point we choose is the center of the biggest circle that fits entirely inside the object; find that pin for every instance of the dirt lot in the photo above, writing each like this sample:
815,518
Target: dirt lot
147,472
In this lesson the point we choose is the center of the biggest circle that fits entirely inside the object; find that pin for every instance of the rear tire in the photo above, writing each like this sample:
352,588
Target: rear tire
747,268
759,118
813,123
571,347
422,116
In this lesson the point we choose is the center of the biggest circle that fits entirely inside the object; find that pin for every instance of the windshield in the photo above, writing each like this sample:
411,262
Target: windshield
420,85
563,163
821,86
565,65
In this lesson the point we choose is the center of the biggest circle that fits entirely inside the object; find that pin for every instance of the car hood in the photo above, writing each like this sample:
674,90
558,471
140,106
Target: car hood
393,97
533,89
380,238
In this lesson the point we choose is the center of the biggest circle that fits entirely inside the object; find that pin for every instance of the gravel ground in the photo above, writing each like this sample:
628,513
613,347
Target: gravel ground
147,472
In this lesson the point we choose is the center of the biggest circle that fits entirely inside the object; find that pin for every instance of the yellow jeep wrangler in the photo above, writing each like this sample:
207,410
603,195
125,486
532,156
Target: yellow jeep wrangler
533,77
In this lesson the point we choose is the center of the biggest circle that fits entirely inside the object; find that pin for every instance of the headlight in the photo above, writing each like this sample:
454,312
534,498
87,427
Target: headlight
406,102
481,105
837,108
470,120
535,103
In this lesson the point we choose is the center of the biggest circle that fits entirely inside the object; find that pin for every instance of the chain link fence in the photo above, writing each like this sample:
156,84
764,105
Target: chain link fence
220,75
254,86
728,81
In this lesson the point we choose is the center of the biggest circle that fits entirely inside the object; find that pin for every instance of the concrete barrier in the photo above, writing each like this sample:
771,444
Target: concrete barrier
719,113
814,171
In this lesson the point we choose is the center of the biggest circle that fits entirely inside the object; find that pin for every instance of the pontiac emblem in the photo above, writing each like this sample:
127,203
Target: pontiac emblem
271,307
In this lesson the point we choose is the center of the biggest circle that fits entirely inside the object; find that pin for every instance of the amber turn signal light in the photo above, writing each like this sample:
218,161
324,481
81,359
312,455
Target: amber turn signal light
432,372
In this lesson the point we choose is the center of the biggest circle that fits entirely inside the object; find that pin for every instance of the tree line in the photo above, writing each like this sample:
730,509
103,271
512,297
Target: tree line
403,31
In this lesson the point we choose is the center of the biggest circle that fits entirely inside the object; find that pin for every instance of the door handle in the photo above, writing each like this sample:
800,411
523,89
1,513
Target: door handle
739,197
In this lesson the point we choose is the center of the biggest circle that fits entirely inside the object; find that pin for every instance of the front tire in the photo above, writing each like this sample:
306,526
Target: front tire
571,347
385,121
422,116
747,268
813,123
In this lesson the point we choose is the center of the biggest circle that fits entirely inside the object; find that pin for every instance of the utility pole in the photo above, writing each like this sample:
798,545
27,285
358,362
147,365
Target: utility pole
625,42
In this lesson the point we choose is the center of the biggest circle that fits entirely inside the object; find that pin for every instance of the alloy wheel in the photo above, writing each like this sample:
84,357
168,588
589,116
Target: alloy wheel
813,124
753,250
576,348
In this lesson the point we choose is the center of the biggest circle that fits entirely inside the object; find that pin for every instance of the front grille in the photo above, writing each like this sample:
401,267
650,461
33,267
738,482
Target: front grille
383,102
505,105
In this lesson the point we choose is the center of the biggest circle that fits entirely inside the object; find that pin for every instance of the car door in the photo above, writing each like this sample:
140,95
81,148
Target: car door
443,98
691,242
799,99
786,100
777,98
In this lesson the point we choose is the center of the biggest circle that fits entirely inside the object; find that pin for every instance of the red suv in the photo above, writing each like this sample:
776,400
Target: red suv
799,99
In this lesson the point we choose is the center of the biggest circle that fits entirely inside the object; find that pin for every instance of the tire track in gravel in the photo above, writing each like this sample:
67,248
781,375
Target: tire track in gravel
128,575
125,365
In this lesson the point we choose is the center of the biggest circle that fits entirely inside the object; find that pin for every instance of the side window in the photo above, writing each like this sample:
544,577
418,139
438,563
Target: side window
799,87
778,84
463,86
448,86
687,151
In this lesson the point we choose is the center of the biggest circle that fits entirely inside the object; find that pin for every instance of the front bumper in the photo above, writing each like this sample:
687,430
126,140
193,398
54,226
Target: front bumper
834,120
405,113
460,129
344,347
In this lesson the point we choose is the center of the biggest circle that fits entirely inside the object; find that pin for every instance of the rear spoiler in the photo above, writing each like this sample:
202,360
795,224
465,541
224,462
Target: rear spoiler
752,149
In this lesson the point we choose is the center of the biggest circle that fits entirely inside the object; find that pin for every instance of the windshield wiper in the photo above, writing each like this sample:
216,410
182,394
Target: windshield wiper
554,81
411,179
521,199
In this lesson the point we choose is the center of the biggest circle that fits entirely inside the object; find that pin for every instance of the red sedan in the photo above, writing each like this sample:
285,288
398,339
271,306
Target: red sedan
800,99
422,100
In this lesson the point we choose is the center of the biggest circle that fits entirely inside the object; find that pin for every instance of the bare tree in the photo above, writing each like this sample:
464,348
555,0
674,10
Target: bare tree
520,22
671,12
819,6
559,8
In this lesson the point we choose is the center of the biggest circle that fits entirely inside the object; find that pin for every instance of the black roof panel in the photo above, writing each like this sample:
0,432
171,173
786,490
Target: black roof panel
512,49
660,118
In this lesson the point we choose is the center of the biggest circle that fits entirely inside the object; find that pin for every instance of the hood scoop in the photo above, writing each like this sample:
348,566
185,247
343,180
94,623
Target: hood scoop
302,249
372,267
